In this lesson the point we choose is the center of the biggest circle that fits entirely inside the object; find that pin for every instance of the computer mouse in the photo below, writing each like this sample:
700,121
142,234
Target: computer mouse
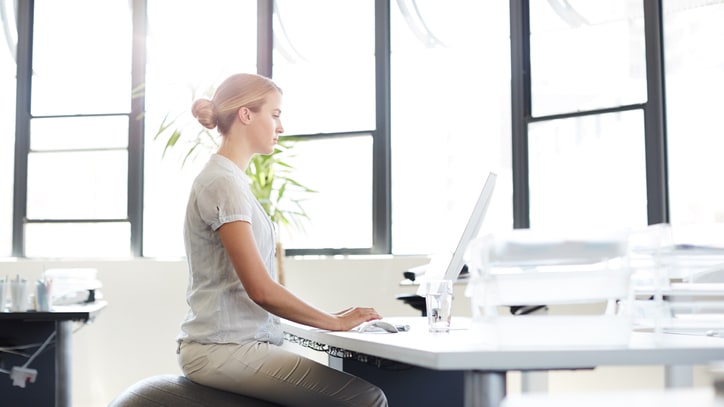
378,326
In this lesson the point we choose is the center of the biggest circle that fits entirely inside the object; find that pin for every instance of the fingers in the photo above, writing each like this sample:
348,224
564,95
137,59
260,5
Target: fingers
367,314
356,315
359,312
344,311
374,315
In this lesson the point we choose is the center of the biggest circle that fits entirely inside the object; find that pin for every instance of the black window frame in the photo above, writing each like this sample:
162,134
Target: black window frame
654,110
521,117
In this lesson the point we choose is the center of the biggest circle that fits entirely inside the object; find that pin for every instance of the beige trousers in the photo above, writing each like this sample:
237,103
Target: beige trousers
268,372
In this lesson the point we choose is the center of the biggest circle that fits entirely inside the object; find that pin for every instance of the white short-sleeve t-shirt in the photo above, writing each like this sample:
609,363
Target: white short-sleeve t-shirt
220,310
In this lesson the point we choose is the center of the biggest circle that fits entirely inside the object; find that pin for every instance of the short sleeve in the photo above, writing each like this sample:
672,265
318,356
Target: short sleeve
225,200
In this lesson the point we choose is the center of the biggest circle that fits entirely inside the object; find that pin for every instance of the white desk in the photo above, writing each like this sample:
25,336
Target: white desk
692,397
484,367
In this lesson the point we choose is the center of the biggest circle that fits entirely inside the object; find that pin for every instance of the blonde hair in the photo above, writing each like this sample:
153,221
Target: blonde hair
237,91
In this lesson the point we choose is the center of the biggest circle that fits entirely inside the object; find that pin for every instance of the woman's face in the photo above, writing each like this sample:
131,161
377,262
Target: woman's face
266,124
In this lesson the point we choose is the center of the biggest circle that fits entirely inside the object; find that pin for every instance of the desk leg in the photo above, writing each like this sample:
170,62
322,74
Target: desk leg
63,363
534,382
484,389
679,376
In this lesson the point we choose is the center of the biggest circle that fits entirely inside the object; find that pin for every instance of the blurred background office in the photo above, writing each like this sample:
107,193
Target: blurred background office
594,115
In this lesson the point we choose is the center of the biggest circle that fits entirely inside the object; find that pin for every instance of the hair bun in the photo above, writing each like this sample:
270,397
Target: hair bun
203,111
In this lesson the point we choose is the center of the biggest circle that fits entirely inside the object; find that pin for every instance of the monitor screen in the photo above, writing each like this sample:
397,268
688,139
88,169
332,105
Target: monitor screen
447,265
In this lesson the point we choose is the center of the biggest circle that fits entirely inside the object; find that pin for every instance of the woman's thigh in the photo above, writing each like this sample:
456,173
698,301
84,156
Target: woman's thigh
268,372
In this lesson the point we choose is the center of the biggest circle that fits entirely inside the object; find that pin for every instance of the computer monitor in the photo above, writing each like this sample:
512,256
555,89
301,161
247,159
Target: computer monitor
447,265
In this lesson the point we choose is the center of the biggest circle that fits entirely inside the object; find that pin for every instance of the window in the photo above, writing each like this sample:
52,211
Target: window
580,128
451,119
77,162
324,60
586,150
694,89
340,212
586,55
8,85
191,46
588,172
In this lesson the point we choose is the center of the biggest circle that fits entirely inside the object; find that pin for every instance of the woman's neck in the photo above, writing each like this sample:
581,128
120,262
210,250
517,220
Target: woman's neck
235,153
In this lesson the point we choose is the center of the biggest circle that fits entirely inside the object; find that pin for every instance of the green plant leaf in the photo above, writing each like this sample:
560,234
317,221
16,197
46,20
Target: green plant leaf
172,140
165,124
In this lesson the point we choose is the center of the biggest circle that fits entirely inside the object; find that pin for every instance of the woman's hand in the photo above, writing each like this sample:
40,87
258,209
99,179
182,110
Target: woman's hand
351,317
338,313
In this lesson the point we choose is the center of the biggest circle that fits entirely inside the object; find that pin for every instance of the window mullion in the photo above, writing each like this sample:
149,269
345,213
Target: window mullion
22,122
381,177
136,127
520,109
655,117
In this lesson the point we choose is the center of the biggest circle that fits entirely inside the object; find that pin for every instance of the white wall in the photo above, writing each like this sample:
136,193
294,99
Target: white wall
134,337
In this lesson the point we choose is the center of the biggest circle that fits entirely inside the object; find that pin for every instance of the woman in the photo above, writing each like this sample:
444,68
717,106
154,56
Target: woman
231,336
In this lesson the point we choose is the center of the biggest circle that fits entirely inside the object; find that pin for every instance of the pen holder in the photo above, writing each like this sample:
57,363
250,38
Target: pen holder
3,295
43,299
20,295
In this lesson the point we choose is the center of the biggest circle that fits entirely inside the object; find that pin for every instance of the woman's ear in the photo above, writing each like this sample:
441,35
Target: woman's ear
244,115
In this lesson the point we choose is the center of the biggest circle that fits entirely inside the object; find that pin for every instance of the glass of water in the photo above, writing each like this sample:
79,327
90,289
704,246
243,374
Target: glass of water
438,299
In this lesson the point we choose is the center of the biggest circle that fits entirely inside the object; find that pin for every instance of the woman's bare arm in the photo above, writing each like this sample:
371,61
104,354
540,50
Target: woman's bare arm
240,246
